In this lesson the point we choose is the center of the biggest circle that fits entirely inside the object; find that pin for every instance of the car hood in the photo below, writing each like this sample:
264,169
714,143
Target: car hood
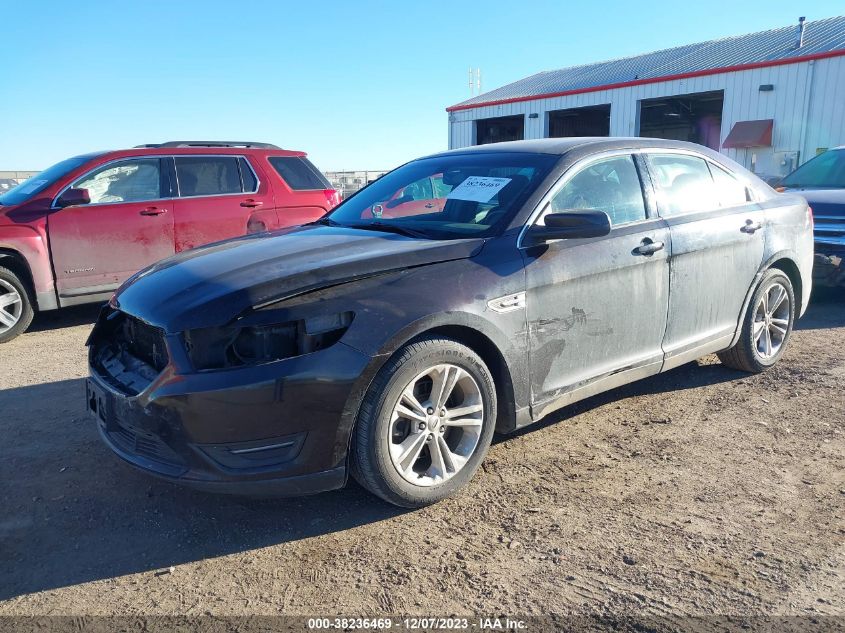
823,201
211,285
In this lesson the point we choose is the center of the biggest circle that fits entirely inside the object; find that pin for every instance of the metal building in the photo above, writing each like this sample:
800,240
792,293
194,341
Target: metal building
769,100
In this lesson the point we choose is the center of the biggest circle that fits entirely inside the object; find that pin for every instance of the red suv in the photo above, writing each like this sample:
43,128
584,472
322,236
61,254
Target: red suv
74,232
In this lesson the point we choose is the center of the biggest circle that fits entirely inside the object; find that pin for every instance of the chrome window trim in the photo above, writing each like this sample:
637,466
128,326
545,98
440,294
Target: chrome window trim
54,206
564,179
214,195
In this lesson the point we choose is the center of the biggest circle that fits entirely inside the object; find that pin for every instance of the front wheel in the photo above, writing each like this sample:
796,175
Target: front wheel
425,424
15,306
767,325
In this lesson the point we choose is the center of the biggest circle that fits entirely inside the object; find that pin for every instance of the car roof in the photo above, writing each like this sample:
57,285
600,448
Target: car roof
565,145
194,151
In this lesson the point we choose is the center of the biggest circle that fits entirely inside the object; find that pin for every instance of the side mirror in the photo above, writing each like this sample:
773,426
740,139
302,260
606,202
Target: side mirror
574,224
73,197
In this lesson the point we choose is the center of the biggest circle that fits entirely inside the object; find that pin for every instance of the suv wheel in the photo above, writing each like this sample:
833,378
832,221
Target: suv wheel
425,424
15,306
767,325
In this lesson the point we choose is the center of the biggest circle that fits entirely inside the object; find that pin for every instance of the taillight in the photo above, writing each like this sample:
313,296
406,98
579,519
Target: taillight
780,189
810,220
332,197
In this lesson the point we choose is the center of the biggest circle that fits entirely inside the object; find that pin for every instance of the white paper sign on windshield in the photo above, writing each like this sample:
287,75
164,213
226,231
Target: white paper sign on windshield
478,188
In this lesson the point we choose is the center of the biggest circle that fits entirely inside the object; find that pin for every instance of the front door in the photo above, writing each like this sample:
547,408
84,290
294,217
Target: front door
127,226
597,307
717,240
219,197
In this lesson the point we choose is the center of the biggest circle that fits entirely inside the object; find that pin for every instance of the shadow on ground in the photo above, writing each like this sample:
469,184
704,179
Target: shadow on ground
66,317
72,513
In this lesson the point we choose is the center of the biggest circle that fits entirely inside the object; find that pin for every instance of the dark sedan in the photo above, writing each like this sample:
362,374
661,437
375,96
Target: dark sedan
821,181
391,346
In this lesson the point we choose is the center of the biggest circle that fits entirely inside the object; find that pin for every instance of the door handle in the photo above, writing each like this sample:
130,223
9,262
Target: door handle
648,247
152,211
251,204
751,226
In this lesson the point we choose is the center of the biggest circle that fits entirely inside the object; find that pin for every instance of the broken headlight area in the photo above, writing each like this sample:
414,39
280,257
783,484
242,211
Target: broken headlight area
219,348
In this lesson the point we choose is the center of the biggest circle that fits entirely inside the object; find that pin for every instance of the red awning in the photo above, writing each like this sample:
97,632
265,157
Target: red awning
750,134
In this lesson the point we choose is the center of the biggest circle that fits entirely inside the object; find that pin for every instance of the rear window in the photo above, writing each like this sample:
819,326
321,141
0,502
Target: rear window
299,173
208,175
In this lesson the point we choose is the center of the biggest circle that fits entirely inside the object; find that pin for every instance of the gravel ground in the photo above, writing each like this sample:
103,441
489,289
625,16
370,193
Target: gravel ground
700,491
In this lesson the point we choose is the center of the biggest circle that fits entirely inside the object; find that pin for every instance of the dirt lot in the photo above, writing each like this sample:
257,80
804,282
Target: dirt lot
700,491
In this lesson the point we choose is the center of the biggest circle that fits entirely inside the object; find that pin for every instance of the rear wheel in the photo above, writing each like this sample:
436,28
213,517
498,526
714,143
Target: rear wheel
15,306
425,424
767,325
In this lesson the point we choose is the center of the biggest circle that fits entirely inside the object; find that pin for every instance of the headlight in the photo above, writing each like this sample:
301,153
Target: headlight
216,348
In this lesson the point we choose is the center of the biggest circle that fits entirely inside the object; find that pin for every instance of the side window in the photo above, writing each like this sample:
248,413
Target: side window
611,185
299,173
250,182
684,184
730,191
207,175
132,180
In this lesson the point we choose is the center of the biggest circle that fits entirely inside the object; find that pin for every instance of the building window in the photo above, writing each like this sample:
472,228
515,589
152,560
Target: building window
503,128
693,117
587,121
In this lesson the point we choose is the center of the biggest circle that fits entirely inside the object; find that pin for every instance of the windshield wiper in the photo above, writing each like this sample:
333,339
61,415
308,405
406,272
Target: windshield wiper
390,228
324,221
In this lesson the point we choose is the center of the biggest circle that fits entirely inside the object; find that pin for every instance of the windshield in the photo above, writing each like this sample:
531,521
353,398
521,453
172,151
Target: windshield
825,170
40,182
447,197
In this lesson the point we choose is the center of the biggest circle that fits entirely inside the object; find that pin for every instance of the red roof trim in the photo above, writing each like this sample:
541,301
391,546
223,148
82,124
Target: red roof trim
653,80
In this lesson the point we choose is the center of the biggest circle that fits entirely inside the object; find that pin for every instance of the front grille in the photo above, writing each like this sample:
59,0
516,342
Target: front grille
145,342
126,352
146,445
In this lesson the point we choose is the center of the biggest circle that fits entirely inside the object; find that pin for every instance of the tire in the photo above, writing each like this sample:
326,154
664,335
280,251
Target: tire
17,316
383,458
750,351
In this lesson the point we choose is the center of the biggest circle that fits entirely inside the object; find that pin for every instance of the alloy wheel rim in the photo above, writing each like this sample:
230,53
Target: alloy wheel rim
11,306
435,425
771,321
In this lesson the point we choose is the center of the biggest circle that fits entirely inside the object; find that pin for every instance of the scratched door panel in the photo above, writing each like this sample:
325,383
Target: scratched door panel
595,307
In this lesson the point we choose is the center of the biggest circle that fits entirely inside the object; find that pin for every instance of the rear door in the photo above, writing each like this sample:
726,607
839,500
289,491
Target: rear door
219,197
127,226
717,236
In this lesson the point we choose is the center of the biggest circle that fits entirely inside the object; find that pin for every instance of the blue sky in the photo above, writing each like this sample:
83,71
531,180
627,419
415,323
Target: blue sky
358,85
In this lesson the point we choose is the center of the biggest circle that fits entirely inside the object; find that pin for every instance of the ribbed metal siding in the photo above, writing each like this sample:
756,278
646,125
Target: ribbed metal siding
820,36
806,105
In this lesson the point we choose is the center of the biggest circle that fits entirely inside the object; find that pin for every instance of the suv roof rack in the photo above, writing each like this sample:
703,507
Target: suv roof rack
248,144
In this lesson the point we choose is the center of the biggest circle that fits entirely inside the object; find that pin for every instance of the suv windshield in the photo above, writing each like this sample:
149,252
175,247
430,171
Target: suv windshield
825,170
447,197
40,182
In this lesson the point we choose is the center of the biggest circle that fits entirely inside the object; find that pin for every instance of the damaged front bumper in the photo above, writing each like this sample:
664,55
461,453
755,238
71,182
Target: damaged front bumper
277,429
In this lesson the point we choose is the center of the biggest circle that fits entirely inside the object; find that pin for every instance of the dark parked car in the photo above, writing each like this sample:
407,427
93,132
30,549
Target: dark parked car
821,181
73,233
393,347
